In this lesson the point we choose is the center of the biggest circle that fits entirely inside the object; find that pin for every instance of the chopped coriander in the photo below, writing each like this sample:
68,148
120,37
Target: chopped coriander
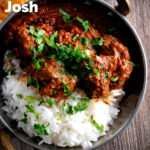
30,81
39,40
37,64
81,107
9,55
121,83
51,41
75,98
75,38
50,101
106,74
31,109
41,102
10,71
37,84
66,17
31,30
51,56
24,120
66,88
114,79
85,23
99,127
30,99
93,30
55,91
45,64
16,107
84,41
98,42
40,48
58,119
59,62
133,64
64,143
97,72
41,129
20,96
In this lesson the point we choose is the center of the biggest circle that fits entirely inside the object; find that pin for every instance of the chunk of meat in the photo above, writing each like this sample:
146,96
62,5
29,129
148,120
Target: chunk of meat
51,73
97,84
26,41
112,47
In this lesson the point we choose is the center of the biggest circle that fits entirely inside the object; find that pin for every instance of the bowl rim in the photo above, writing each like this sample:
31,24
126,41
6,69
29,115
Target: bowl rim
144,60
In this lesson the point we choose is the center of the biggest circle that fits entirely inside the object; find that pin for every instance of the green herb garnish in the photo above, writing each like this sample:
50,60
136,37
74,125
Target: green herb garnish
30,99
99,127
98,42
31,109
106,74
133,64
20,96
24,120
41,102
66,17
55,91
85,23
51,41
50,101
41,129
9,55
75,38
84,41
114,79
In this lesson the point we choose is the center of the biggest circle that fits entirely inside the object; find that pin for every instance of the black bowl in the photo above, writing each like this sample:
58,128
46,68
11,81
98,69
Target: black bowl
135,88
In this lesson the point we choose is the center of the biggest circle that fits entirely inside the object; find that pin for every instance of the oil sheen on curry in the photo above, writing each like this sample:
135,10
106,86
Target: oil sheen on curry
61,49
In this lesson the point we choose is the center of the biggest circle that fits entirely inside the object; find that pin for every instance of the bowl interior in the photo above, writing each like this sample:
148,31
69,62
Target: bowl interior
134,88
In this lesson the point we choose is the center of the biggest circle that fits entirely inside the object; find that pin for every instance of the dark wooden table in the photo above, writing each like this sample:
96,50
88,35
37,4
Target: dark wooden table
137,135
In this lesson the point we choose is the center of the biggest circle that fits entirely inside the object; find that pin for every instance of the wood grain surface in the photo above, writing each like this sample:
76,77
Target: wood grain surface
137,134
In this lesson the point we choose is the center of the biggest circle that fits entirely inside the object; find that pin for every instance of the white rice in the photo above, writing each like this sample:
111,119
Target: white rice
72,130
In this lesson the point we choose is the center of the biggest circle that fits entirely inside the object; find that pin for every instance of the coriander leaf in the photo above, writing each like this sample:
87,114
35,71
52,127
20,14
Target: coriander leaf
97,72
20,96
85,24
31,109
59,62
98,42
99,127
24,120
30,99
75,38
84,41
106,74
51,41
51,56
50,101
41,129
114,79
31,30
41,102
40,48
81,107
133,64
9,55
55,91
66,88
66,17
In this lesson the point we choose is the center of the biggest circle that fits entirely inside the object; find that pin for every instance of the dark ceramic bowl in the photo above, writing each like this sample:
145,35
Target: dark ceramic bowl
135,88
